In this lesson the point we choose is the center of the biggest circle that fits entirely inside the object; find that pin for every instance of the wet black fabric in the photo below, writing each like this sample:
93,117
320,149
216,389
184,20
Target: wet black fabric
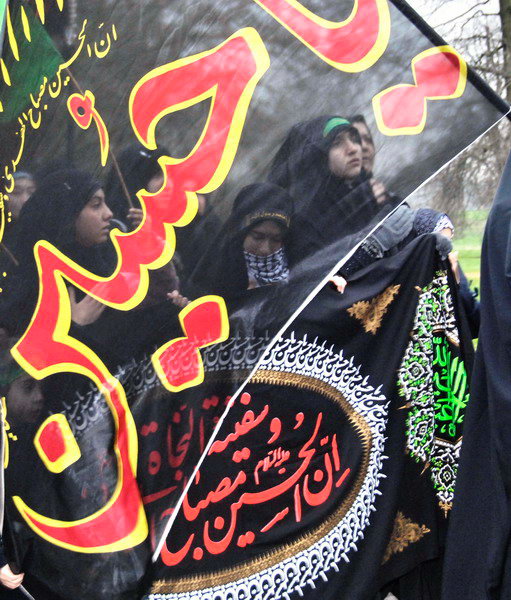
368,543
193,241
222,71
477,565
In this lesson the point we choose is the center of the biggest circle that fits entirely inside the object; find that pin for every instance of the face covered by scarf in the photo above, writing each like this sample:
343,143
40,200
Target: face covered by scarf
265,270
232,267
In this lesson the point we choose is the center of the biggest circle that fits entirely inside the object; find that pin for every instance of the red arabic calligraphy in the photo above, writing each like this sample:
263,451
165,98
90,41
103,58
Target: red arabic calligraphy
226,75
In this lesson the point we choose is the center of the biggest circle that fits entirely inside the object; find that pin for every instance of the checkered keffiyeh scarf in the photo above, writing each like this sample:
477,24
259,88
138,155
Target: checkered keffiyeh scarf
267,269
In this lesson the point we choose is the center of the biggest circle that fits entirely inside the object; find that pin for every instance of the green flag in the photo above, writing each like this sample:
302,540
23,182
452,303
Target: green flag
29,56
3,5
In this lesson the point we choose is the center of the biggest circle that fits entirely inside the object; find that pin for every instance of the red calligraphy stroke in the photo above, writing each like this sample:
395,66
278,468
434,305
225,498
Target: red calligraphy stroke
178,363
223,490
352,45
278,517
172,559
158,495
227,76
440,73
176,460
297,503
248,422
335,453
318,498
342,478
275,428
82,109
274,459
227,487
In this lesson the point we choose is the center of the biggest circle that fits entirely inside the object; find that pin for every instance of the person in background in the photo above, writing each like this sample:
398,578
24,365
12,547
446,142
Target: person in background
251,248
320,163
24,403
426,220
193,240
9,579
69,211
140,170
368,147
368,159
24,187
25,411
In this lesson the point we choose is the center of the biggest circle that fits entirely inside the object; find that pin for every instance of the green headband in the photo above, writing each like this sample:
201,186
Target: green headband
333,123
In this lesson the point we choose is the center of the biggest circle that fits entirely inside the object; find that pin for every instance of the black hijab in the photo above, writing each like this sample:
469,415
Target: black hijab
327,210
52,210
325,207
138,166
224,271
50,214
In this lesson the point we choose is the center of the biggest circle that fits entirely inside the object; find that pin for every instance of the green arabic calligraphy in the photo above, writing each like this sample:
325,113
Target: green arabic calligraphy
450,387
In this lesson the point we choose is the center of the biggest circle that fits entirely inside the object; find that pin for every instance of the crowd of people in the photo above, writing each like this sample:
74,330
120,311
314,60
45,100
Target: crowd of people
321,188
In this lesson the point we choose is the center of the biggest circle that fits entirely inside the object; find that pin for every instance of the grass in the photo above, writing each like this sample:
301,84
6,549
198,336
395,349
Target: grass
468,243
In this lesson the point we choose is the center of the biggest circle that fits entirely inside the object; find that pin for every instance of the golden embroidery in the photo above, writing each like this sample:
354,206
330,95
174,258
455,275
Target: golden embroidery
446,507
405,532
372,312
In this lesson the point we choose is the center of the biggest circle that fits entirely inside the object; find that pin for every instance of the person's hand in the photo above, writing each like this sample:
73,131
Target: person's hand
455,265
379,190
9,579
176,298
85,312
443,245
339,282
135,216
394,229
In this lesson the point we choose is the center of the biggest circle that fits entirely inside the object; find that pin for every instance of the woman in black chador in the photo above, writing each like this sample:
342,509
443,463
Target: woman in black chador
334,204
69,210
248,262
320,164
251,252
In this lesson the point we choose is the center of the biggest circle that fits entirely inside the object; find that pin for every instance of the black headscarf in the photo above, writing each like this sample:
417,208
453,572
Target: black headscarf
50,214
138,166
52,210
224,271
326,207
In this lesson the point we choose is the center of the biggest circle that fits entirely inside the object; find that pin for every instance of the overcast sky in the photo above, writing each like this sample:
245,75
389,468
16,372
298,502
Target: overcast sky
438,13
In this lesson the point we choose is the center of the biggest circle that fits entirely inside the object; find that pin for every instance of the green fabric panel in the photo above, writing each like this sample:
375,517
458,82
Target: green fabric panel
38,59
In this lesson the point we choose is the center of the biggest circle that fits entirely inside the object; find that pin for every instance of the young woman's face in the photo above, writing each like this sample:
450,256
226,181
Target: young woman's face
24,187
24,400
93,223
264,239
345,155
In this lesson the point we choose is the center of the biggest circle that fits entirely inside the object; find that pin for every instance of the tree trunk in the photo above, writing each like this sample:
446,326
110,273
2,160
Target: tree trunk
505,18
